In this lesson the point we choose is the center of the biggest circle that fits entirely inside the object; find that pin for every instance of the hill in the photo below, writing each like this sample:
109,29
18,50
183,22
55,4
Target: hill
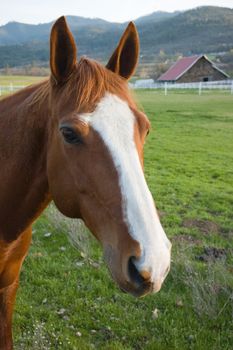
155,17
202,30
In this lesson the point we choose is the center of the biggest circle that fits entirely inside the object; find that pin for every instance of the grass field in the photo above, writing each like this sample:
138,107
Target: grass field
9,83
67,299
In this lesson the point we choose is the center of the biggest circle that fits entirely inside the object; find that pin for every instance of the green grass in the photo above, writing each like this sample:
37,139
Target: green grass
6,82
67,299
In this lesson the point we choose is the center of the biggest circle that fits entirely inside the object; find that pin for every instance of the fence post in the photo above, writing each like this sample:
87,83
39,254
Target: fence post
165,88
200,88
232,88
11,87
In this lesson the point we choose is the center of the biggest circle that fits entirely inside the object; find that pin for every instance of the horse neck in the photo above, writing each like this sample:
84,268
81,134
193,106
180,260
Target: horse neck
23,151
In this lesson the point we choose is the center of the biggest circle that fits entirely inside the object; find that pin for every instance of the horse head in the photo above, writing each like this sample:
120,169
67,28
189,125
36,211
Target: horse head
95,159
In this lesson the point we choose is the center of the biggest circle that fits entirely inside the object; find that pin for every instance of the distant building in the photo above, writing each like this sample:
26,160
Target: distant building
193,69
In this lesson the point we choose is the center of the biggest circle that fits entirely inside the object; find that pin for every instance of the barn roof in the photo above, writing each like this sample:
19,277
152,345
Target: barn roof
182,66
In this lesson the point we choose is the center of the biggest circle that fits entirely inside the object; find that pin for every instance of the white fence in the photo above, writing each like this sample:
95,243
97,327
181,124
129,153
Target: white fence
6,89
210,85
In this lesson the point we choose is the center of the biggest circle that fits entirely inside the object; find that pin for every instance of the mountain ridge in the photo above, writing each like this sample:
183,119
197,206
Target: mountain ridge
201,30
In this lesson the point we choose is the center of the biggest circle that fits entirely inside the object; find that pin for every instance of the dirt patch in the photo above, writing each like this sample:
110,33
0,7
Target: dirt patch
211,254
205,226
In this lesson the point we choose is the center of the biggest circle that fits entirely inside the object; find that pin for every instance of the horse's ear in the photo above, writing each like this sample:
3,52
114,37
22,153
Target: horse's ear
62,50
124,59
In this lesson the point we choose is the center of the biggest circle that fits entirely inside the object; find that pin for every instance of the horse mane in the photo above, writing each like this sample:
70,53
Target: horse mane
92,80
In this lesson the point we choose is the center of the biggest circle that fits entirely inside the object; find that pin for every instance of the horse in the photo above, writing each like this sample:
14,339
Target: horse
77,139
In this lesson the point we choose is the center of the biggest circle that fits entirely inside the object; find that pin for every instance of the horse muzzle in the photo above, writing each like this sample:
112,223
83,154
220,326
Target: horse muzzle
130,278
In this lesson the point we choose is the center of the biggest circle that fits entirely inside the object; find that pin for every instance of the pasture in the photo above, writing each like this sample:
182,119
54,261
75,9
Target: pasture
67,300
12,83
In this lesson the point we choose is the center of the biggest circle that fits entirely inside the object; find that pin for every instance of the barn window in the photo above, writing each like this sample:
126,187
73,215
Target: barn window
206,79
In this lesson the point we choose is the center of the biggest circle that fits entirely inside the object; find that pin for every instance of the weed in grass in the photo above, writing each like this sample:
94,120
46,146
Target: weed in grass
36,341
75,229
211,289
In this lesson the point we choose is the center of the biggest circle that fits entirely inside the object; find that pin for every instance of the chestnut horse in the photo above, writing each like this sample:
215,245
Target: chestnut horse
77,139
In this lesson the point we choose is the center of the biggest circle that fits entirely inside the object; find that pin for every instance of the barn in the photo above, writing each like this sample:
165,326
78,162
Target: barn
193,69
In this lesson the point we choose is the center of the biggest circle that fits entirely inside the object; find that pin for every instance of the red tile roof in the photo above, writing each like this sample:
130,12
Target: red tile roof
179,68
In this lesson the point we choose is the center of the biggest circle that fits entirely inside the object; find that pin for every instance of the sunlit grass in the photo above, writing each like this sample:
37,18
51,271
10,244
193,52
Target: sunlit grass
19,80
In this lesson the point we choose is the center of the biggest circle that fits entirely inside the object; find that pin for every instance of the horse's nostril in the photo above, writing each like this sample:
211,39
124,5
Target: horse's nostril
134,274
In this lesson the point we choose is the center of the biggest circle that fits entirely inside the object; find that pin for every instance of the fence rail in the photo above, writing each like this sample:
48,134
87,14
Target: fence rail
6,89
199,86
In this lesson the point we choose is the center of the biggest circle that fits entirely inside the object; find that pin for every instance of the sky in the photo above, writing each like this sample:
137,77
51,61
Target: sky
41,11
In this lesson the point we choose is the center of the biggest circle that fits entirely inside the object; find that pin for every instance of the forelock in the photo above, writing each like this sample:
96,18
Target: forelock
91,81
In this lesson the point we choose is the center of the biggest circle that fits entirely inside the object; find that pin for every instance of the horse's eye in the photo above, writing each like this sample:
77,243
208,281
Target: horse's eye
70,135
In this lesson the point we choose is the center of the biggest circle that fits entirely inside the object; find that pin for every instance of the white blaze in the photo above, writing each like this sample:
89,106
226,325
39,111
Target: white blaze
114,122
